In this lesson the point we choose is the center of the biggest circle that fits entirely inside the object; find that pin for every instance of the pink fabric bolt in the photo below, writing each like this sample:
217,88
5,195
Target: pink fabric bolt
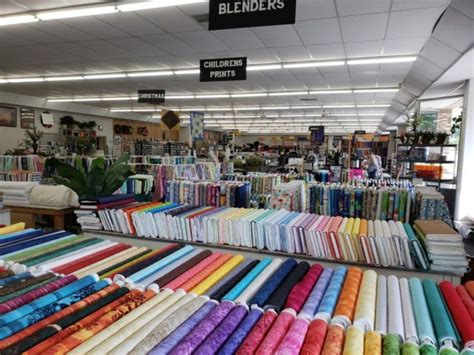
257,334
294,339
277,332
300,292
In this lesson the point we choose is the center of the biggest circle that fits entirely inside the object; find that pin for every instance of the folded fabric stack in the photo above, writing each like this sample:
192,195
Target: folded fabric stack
90,209
431,205
370,202
20,168
290,196
139,184
68,294
444,245
17,193
220,193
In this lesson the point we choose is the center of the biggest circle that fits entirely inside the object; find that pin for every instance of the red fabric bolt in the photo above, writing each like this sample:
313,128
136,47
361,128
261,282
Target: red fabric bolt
458,311
470,288
334,342
313,343
300,292
255,337
276,333
466,299
90,259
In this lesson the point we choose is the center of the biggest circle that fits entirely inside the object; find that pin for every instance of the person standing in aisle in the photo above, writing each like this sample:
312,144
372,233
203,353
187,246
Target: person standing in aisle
373,167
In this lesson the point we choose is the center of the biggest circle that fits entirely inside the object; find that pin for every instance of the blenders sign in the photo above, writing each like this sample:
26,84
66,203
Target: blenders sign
225,14
151,96
224,69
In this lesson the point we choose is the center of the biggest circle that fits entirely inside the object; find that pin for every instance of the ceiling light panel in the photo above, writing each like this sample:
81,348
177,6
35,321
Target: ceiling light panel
154,4
105,76
150,73
64,78
314,64
14,20
75,12
25,80
381,60
288,93
260,94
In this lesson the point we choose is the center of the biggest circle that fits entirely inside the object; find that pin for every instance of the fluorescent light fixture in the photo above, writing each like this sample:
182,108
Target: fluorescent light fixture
123,98
85,99
145,5
275,108
218,109
362,91
371,114
105,76
64,78
14,20
111,110
60,100
338,106
263,67
179,97
212,96
382,60
190,109
290,115
187,71
144,110
211,125
250,94
305,107
373,105
150,73
342,114
312,115
289,93
314,64
328,92
75,12
256,108
25,80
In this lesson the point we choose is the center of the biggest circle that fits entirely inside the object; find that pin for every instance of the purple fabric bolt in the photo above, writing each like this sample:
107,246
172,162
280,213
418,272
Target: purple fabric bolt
314,298
191,342
168,343
215,340
233,343
294,339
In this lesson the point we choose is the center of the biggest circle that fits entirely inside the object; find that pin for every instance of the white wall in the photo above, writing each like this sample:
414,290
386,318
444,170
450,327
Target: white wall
10,137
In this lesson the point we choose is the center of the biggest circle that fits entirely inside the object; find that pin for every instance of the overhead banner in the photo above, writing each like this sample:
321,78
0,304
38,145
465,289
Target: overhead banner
317,134
224,14
154,97
223,69
197,126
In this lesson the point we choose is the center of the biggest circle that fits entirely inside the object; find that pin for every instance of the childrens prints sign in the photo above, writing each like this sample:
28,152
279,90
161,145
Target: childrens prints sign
224,14
224,69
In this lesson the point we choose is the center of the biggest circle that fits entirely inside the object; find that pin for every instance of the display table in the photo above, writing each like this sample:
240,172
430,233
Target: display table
27,214
258,253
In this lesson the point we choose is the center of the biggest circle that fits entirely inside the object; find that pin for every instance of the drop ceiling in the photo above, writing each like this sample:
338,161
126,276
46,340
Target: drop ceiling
172,38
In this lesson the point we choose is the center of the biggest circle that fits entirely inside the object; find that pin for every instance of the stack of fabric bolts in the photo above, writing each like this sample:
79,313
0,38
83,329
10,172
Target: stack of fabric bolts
67,294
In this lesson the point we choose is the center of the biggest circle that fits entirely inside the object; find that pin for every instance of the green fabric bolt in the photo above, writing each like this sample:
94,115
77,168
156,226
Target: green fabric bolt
448,351
40,250
126,261
391,345
424,326
26,290
410,348
428,349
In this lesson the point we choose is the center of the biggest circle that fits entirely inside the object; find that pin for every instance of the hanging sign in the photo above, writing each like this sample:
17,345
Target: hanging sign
224,69
151,96
224,14
360,131
317,134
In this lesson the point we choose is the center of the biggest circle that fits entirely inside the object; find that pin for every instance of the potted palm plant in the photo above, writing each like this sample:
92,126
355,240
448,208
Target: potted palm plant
32,138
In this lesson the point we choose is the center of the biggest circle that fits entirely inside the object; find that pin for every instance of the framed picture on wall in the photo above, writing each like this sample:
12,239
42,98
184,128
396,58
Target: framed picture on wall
7,116
27,118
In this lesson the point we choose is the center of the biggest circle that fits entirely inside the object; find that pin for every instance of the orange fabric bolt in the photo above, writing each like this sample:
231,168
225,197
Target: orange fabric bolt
334,342
313,343
347,301
470,288
196,279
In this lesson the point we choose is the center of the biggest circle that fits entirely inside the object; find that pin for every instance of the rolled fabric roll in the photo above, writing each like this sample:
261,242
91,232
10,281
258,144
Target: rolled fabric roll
372,343
443,327
409,322
449,350
244,328
395,313
279,296
424,325
294,338
314,340
391,344
466,299
270,285
334,342
254,286
410,348
381,306
255,337
243,284
219,336
192,341
328,303
218,274
317,293
364,316
345,308
470,288
428,349
167,344
459,313
277,332
354,344
300,292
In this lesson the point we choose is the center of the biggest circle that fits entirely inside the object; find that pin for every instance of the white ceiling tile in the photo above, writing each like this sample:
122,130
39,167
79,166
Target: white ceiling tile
416,4
171,19
203,41
363,49
427,69
137,46
413,23
106,49
132,23
64,32
292,54
361,7
31,32
169,43
277,36
10,40
75,49
326,51
195,9
364,27
439,53
240,38
260,56
456,30
314,9
463,6
403,46
319,31
95,27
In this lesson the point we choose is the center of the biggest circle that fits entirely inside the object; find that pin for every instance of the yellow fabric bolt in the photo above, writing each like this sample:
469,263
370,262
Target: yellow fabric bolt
354,344
373,343
17,227
217,275
364,316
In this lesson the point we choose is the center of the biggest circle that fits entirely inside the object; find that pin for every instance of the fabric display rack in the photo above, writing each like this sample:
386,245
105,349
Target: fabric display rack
205,193
431,205
72,160
68,294
366,242
20,168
